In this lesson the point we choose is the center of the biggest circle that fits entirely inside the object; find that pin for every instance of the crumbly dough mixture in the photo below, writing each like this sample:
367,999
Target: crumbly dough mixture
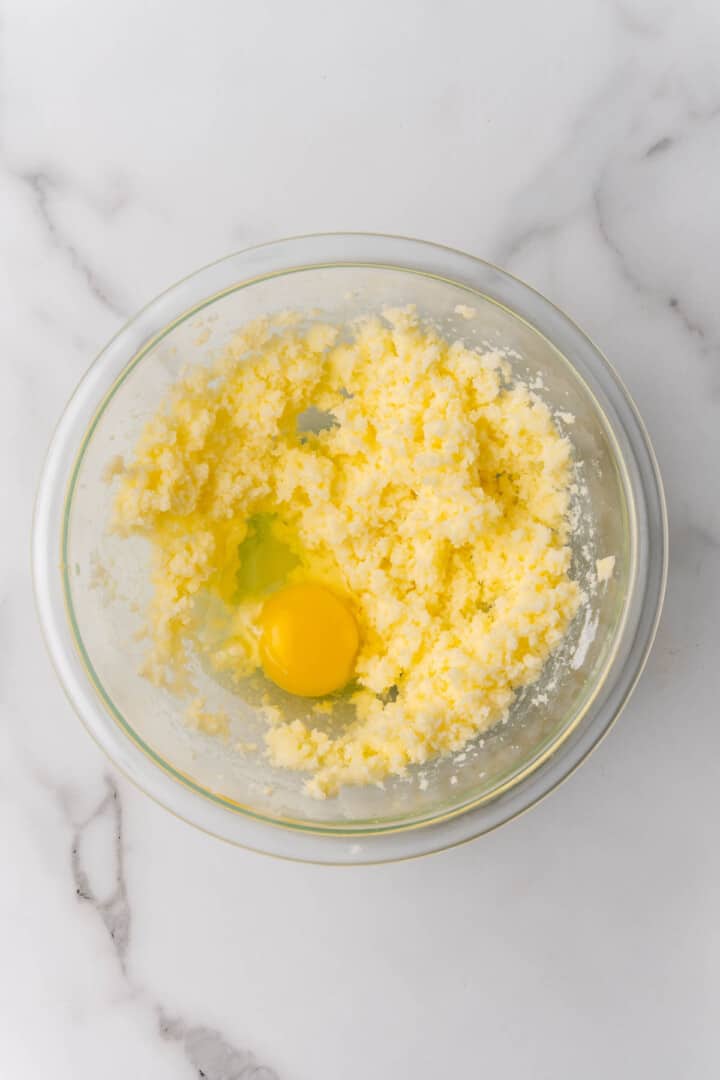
434,500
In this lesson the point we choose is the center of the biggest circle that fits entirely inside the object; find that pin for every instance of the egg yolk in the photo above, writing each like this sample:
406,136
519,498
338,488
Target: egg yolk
309,639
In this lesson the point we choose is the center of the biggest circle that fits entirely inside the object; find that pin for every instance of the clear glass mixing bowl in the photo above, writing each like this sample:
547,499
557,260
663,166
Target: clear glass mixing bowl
91,586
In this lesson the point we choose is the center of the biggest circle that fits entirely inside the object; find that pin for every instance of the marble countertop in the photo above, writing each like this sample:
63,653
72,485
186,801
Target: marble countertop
578,145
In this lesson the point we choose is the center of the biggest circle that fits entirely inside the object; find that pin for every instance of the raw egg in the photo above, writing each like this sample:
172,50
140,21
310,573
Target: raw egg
309,640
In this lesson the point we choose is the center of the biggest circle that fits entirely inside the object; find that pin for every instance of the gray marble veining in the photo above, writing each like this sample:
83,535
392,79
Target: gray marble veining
576,144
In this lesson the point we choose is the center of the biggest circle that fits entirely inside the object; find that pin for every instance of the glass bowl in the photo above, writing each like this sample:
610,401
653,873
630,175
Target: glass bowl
91,586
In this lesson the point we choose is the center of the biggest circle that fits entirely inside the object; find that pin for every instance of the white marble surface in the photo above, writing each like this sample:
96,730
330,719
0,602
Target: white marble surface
578,144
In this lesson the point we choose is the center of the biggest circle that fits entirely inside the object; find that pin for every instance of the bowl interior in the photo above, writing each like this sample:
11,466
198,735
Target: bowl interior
106,578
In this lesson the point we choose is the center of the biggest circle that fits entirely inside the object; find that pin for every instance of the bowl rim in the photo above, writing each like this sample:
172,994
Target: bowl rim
319,842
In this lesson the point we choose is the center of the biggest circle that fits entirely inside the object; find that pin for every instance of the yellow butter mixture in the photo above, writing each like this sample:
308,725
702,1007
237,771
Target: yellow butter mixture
370,511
